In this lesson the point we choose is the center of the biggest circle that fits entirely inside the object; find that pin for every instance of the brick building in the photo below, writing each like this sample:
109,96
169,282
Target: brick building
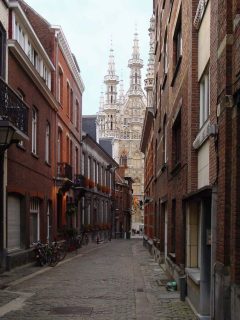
123,204
13,128
196,132
67,88
147,144
30,75
45,76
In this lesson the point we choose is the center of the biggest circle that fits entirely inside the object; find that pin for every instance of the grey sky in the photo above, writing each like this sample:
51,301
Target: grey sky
88,26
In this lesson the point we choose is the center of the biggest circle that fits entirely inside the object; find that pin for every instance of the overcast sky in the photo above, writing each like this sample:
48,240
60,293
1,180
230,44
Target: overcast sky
88,26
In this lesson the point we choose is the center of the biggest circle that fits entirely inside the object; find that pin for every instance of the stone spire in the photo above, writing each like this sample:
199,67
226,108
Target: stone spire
121,92
135,64
101,102
111,80
151,60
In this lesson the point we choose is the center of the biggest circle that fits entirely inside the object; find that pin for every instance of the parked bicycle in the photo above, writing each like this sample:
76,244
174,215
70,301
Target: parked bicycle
48,254
84,240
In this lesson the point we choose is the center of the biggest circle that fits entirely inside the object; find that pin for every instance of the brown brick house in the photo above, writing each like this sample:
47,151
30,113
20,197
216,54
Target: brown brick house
196,135
42,170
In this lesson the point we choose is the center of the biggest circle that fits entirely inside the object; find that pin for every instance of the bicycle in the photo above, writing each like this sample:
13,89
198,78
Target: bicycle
84,240
46,254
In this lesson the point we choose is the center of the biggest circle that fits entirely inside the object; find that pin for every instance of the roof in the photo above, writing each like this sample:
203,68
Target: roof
89,125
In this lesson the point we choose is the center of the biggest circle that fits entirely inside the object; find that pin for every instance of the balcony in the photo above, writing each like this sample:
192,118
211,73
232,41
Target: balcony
79,181
64,171
13,108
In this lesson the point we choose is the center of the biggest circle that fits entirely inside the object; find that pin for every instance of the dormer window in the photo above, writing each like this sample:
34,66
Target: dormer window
26,43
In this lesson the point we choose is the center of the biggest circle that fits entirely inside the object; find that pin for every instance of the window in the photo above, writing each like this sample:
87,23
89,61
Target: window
204,98
68,150
176,143
89,167
36,61
68,99
21,94
89,214
71,105
83,164
111,125
123,160
83,210
46,75
60,85
94,171
193,230
59,146
47,144
77,115
177,41
34,220
2,51
49,221
97,173
76,160
34,130
173,227
71,153
164,139
165,54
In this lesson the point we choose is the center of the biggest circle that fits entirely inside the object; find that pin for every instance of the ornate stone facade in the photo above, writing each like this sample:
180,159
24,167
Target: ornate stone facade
121,117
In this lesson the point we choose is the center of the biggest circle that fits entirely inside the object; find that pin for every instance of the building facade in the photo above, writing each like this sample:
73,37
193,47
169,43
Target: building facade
96,187
13,129
120,118
41,170
67,89
196,97
29,74
147,144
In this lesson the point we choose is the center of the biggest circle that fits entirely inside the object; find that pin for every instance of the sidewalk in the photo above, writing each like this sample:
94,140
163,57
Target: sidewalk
29,270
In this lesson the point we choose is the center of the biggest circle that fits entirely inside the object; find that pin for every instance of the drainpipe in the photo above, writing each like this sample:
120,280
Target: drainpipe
213,250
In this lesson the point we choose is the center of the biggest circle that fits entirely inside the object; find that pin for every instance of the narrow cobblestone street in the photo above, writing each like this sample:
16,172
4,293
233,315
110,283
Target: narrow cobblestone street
116,280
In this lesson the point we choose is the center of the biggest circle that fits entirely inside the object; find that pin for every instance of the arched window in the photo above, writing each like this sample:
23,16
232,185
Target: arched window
123,160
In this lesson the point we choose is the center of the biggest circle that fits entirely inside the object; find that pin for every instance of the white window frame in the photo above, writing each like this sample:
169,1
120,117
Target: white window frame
48,221
204,97
47,143
34,130
35,210
83,164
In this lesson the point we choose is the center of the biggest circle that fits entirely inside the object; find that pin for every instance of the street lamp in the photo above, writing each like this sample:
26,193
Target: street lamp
9,134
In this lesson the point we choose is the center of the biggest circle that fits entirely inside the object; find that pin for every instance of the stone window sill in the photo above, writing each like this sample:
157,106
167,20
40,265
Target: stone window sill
193,274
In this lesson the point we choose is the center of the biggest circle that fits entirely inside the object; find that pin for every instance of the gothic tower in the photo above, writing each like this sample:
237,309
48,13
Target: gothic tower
125,125
106,119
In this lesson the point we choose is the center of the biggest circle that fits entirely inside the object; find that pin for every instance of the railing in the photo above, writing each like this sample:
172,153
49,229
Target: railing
64,170
12,108
79,181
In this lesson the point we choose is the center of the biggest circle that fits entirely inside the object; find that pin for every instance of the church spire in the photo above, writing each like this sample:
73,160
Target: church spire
151,60
111,80
135,64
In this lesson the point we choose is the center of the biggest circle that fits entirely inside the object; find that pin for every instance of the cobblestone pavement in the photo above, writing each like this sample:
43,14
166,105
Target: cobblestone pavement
118,280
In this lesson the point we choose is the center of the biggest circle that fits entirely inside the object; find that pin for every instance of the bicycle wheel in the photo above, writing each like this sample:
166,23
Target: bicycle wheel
61,252
54,258
86,240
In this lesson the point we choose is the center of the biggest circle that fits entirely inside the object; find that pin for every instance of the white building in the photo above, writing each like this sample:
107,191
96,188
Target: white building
120,118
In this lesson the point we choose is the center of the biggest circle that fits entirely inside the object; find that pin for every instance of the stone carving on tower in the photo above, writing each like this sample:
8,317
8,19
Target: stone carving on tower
121,118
